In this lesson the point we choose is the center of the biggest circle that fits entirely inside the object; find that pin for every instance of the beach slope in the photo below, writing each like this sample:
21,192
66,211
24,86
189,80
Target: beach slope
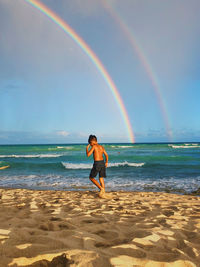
65,228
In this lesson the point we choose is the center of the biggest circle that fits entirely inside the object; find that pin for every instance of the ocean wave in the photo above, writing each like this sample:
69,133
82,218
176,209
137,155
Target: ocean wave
53,182
122,146
31,156
191,144
170,184
60,147
185,146
89,166
125,163
76,166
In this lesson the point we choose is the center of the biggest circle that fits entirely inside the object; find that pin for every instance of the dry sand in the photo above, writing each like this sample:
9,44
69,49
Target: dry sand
61,228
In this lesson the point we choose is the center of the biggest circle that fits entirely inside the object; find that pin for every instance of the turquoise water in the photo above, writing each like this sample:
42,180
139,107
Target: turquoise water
132,167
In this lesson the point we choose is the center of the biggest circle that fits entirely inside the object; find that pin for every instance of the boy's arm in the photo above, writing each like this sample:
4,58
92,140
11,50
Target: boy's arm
89,152
106,155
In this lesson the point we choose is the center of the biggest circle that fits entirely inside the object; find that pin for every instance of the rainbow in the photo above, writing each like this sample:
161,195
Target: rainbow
145,62
90,53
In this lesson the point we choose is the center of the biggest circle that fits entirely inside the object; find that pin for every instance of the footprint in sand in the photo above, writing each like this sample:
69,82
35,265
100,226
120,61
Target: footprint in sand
129,251
105,195
107,234
93,221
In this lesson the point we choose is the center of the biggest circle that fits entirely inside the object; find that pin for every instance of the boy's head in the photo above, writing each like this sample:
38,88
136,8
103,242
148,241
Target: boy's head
92,139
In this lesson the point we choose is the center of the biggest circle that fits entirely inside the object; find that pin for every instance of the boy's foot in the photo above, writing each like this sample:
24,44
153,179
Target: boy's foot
105,195
102,192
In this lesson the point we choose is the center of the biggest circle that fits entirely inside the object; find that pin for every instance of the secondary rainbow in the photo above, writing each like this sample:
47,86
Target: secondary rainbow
145,62
82,44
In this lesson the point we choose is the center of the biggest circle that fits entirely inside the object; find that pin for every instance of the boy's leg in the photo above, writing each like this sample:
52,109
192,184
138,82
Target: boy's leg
101,180
102,174
95,182
93,174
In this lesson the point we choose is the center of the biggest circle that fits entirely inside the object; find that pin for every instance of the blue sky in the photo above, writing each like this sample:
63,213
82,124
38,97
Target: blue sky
51,92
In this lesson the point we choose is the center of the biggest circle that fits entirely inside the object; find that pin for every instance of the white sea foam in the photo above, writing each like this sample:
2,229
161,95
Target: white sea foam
125,163
76,166
60,147
185,146
191,144
50,181
31,156
89,166
149,184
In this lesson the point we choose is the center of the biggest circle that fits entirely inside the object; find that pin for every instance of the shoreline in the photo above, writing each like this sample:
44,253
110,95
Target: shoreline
173,192
80,229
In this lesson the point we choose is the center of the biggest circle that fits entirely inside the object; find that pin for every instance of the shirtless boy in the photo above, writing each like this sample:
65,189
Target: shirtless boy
99,165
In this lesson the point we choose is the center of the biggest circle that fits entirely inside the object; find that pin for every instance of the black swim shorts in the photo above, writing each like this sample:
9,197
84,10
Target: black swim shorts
98,167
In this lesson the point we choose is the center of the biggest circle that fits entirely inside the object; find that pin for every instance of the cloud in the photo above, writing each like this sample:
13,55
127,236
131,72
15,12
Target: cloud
178,135
33,137
62,133
22,137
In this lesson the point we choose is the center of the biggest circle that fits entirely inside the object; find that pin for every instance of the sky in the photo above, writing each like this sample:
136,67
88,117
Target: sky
52,92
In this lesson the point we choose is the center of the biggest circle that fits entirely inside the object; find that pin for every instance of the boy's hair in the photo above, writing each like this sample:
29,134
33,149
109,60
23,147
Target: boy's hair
92,137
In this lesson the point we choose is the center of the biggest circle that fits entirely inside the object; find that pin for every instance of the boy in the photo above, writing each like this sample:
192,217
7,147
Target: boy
99,166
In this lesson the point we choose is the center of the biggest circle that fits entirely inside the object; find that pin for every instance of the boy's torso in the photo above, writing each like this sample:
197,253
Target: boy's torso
98,152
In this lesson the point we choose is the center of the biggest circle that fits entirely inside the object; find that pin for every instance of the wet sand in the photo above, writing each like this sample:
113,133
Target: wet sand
62,228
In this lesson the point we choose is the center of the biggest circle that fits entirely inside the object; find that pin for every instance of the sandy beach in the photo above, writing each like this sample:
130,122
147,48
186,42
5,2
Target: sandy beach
73,228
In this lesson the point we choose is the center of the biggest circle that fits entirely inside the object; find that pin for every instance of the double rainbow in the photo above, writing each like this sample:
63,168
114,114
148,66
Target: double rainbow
144,61
90,53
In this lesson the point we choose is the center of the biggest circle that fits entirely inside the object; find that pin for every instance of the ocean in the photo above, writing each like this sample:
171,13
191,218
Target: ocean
132,167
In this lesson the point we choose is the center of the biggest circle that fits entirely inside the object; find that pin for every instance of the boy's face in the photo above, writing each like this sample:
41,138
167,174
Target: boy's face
92,142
